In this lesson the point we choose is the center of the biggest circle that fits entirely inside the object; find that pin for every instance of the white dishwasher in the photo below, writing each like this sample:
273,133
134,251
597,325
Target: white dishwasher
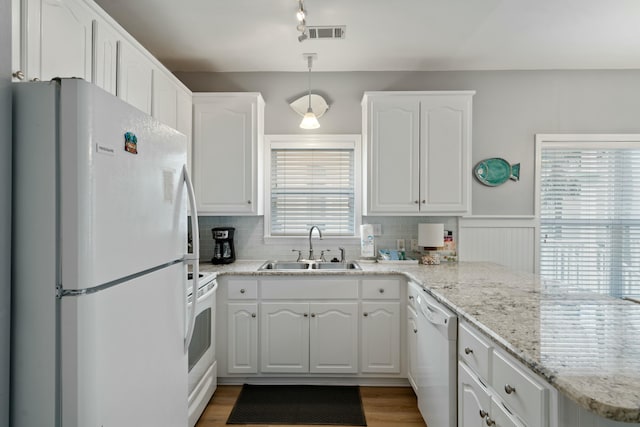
436,360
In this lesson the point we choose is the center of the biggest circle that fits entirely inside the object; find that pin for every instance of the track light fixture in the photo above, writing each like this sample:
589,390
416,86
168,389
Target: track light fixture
309,121
301,15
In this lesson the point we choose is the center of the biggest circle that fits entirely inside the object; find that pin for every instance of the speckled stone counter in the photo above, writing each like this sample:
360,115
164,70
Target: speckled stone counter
586,345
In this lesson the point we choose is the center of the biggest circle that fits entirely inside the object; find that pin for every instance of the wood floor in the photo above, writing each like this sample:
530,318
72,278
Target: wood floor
383,407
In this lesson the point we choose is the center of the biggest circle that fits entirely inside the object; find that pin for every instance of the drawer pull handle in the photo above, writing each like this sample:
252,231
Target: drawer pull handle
483,413
365,314
306,315
490,422
381,290
242,291
253,315
508,389
467,350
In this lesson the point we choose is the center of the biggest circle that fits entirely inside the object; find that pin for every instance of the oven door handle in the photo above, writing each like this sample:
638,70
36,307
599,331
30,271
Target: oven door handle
192,258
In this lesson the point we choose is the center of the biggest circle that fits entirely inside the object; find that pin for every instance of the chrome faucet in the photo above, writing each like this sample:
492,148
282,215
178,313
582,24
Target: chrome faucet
311,258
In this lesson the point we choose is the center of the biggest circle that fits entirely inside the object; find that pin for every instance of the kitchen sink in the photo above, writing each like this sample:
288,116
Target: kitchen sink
308,266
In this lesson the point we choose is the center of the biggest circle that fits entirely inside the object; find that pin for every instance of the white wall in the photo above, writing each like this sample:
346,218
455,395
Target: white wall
5,204
509,108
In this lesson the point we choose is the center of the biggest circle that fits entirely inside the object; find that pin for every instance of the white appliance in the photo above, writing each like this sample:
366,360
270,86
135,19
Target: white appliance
436,360
203,375
100,321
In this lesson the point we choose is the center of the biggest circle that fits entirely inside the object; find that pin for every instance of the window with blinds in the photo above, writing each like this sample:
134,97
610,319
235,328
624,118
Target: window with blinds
590,216
313,186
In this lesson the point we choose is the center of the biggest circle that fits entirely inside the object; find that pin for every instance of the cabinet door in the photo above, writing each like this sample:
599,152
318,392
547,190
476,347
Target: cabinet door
242,336
445,124
284,337
380,337
105,56
165,99
184,120
502,416
334,337
474,403
135,76
58,39
225,154
393,155
412,349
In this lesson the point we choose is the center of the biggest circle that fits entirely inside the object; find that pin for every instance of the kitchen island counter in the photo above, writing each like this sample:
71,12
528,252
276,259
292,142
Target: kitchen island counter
586,345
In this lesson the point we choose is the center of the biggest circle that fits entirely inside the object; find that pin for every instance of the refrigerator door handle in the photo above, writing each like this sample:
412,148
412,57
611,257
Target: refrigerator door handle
192,258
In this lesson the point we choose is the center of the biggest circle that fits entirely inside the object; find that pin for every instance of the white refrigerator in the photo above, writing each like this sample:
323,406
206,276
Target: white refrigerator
100,320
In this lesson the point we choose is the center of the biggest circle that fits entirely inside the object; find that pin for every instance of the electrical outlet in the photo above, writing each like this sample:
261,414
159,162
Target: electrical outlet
377,229
400,244
414,245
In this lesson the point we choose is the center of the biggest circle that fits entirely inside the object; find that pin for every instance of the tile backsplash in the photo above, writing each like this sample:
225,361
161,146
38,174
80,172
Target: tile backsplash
250,242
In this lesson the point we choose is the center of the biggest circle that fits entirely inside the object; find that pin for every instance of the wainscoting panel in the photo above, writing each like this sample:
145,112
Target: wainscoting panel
509,241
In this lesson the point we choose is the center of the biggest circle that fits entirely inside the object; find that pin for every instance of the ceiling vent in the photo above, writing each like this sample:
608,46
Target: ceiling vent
323,33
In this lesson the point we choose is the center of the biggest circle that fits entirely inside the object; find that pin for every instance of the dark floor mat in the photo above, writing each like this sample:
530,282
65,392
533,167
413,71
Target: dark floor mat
298,404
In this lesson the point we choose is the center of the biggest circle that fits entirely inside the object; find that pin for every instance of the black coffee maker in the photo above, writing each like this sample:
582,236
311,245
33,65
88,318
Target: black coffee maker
223,250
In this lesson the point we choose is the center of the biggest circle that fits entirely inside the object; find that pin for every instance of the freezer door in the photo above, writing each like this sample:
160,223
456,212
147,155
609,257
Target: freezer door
123,359
122,196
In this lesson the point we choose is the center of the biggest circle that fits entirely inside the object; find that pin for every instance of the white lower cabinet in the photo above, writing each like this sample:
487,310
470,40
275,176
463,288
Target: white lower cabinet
242,338
380,337
476,406
317,337
495,387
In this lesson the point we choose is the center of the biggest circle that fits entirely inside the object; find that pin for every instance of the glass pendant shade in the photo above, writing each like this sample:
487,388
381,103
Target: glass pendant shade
309,121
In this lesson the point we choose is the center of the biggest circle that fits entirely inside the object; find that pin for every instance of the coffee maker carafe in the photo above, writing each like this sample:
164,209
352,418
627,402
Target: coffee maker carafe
223,250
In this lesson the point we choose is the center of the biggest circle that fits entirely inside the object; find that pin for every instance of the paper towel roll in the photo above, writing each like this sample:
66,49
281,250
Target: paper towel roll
367,241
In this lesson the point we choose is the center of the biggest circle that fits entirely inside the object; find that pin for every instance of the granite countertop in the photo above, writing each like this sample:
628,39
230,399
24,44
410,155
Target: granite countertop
586,345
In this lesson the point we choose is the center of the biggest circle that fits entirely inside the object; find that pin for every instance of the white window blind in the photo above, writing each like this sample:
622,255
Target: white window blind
312,186
590,218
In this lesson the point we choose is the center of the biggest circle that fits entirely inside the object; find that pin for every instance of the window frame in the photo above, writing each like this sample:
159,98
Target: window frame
337,141
570,141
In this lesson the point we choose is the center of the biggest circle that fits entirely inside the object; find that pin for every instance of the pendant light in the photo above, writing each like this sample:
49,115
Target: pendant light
309,121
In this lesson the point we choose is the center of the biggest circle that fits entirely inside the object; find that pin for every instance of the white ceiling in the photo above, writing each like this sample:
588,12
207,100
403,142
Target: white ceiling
386,35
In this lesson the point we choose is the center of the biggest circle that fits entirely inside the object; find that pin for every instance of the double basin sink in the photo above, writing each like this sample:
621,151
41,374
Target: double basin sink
308,266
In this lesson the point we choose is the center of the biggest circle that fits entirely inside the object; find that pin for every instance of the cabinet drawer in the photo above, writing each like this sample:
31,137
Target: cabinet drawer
309,289
520,391
412,292
474,350
380,289
243,289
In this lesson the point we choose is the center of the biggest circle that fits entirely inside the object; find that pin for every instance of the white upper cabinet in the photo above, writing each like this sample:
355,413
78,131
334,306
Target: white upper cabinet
57,39
418,152
135,76
227,150
105,56
164,106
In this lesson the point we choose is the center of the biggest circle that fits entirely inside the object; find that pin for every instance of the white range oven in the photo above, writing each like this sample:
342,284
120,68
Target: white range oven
202,359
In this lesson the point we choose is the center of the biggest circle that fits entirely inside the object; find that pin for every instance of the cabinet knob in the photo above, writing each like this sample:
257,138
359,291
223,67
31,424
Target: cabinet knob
306,315
313,315
248,202
415,331
490,422
242,291
35,79
410,297
19,75
416,202
381,290
253,315
508,389
365,314
483,413
467,350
